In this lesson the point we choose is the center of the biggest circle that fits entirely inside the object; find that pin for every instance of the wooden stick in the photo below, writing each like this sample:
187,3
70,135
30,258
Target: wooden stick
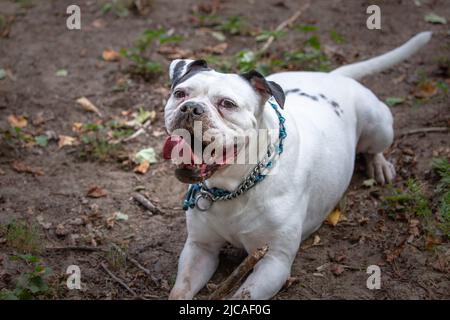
147,204
136,263
145,128
283,25
118,280
248,264
424,130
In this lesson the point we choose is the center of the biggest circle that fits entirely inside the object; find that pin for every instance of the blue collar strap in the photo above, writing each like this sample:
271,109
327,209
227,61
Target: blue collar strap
202,197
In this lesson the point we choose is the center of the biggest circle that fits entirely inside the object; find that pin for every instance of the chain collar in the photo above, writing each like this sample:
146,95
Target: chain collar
202,197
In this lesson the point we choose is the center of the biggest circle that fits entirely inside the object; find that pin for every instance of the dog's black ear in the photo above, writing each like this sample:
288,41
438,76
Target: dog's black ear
179,68
265,88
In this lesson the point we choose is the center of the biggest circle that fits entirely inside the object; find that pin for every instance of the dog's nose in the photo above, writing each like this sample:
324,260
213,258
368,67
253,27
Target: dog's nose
192,108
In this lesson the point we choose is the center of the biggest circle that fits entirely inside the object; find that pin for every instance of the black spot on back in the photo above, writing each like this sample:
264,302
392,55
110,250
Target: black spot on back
291,91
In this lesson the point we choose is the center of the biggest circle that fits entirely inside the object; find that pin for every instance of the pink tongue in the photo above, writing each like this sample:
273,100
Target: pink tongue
180,143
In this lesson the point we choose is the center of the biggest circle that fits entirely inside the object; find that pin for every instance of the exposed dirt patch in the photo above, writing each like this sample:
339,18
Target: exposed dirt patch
38,44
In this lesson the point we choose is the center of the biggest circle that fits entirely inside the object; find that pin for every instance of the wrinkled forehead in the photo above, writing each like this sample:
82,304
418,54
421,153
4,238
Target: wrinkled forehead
219,84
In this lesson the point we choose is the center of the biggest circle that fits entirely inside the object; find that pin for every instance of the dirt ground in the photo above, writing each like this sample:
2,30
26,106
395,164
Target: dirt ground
55,200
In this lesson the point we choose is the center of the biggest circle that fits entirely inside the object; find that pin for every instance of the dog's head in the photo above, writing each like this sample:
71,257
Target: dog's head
205,113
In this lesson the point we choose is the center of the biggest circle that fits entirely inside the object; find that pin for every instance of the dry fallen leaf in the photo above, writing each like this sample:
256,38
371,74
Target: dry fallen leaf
290,282
99,23
217,49
143,167
61,230
110,55
172,51
333,217
425,90
316,240
88,105
337,269
96,192
432,241
414,227
41,221
77,127
394,253
17,121
23,168
110,221
66,141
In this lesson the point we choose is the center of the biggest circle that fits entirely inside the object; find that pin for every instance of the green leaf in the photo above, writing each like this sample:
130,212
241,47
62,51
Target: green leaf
148,154
307,28
392,101
62,73
336,37
119,216
218,36
41,140
106,8
314,42
434,18
2,74
263,36
8,295
143,115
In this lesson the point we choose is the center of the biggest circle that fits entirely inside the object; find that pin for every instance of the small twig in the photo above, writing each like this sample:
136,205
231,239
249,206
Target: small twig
248,264
145,128
147,204
423,130
118,280
283,25
136,263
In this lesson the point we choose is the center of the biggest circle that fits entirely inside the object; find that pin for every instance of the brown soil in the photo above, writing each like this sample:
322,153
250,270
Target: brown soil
39,44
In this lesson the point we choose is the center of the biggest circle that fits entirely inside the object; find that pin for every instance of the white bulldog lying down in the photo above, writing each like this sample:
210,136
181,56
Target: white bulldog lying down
316,123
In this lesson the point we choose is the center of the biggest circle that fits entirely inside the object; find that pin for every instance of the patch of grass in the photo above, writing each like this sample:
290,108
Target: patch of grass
117,257
207,20
411,199
434,211
234,25
265,35
337,37
307,28
442,167
120,8
16,135
138,54
22,236
311,58
98,140
29,285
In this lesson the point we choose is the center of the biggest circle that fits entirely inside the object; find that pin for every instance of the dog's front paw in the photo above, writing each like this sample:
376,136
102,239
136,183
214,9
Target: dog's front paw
380,169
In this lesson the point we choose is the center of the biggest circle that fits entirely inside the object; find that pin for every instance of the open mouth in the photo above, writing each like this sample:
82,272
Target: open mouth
191,167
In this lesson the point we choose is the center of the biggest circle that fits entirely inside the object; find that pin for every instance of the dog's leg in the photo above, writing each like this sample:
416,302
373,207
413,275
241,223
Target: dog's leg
376,136
198,261
267,278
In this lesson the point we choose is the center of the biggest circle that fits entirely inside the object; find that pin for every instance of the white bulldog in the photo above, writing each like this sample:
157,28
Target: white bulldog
328,118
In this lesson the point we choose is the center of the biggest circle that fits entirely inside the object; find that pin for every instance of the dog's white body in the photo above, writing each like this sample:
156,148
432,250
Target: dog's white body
313,173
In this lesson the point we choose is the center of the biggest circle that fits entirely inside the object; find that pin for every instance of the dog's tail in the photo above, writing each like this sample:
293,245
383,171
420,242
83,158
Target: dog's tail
385,61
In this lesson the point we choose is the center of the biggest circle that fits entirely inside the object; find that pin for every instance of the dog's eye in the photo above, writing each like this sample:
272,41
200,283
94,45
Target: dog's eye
227,104
179,94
